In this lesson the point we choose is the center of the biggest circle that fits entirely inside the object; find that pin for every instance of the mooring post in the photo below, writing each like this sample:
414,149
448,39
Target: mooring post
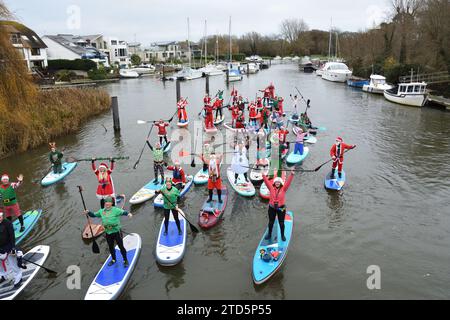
164,73
207,84
248,69
178,85
115,110
228,76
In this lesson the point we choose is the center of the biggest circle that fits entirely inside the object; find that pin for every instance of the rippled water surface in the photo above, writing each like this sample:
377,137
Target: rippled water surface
393,212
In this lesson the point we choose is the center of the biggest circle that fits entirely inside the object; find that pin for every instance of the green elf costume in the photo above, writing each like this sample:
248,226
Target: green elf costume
55,156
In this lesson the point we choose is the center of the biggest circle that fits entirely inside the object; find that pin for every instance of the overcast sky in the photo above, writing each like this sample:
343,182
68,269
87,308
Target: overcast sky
161,20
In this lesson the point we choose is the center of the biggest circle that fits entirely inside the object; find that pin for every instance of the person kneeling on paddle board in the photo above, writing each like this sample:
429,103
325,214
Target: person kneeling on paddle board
158,161
214,181
300,136
105,182
55,157
239,163
337,154
111,222
171,198
8,198
10,257
277,207
179,177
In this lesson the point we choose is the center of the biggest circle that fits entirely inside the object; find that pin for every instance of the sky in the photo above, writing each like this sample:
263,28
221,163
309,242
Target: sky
148,21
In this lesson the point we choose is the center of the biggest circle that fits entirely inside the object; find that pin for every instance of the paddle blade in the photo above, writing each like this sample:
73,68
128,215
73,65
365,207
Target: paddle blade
184,153
193,163
95,248
141,122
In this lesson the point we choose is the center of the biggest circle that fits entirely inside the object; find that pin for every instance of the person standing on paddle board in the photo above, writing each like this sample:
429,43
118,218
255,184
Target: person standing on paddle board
234,95
337,154
207,150
179,177
300,137
294,104
261,151
206,100
55,157
240,120
234,114
209,121
105,186
279,107
252,113
239,163
215,180
110,216
8,197
277,203
218,104
171,196
162,131
10,256
158,161
182,115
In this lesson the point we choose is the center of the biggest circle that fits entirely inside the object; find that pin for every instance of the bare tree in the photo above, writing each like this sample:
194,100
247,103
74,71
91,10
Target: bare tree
292,29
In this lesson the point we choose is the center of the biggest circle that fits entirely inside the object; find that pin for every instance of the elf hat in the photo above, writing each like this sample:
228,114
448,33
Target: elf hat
5,177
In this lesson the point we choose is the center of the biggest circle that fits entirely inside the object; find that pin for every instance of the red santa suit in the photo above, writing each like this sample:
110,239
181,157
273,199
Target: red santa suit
234,114
105,182
234,94
252,111
178,175
280,105
240,122
271,90
282,134
162,132
209,122
182,114
207,100
337,153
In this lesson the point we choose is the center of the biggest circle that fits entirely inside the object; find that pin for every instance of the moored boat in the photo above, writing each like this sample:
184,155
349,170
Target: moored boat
409,94
377,84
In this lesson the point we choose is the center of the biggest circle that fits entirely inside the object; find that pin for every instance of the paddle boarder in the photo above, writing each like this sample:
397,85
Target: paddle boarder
239,162
110,216
252,113
234,114
277,203
300,137
105,186
8,198
182,114
218,104
214,180
179,177
337,154
55,156
207,150
10,257
158,161
240,120
206,100
209,121
162,131
171,196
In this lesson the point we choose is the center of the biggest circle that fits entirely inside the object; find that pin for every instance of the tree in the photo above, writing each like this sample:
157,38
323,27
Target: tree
135,60
292,31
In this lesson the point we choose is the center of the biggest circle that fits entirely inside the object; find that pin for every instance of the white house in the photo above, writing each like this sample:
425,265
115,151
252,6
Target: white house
117,50
163,51
28,44
70,47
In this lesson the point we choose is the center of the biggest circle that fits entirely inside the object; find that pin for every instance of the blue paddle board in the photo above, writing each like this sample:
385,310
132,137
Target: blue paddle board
336,183
30,219
270,254
295,158
52,178
170,248
159,200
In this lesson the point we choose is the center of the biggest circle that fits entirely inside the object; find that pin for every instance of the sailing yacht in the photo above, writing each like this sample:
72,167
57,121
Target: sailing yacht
210,69
234,69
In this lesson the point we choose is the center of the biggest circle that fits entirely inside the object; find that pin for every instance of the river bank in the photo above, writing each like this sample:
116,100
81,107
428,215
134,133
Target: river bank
28,123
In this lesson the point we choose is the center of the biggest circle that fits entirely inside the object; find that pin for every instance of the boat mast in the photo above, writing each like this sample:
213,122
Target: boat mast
231,56
189,44
217,48
206,43
329,43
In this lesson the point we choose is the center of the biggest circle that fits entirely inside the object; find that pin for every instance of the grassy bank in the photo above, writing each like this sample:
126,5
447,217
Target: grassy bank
29,117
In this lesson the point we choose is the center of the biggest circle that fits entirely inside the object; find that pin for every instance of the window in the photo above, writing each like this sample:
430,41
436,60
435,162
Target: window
114,42
410,89
15,38
402,89
417,89
35,52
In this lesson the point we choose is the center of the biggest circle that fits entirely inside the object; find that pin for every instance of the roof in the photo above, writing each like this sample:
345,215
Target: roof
164,43
70,41
29,38
377,77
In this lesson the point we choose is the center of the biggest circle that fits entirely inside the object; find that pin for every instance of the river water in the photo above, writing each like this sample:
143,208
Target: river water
393,212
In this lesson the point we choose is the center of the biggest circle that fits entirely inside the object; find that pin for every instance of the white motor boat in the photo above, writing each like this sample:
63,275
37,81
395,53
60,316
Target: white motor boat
377,84
336,72
409,94
128,74
187,73
144,69
211,70
234,72
252,68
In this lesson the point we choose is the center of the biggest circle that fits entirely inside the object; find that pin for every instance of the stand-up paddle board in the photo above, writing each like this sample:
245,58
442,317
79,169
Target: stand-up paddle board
201,177
295,158
219,120
212,212
30,219
52,177
270,254
37,255
146,192
183,124
242,187
170,248
110,281
159,200
336,183
256,174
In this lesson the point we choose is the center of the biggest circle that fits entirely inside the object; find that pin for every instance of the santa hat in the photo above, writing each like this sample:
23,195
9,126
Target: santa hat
5,177
339,139
103,165
278,179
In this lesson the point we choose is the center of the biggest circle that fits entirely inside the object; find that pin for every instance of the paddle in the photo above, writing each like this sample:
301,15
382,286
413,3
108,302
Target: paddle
40,266
95,248
319,167
143,148
195,148
153,121
73,159
193,228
